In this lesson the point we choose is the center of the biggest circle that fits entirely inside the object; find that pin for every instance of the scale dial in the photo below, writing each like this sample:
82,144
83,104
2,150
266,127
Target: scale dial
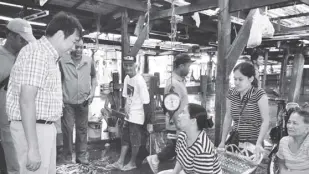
172,101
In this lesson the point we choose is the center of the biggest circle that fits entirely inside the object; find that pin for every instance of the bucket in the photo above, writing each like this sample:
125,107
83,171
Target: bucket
94,131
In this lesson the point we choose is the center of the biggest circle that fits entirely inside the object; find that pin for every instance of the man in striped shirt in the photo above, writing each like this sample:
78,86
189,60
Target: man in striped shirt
34,97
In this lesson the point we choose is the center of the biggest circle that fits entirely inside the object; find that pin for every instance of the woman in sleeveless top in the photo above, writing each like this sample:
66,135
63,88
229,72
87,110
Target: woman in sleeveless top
247,106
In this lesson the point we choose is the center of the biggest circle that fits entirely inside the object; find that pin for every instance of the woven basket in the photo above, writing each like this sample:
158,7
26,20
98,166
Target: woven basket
239,160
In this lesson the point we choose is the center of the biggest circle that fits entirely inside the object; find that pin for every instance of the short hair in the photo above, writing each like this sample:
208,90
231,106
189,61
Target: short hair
304,114
199,113
66,22
181,59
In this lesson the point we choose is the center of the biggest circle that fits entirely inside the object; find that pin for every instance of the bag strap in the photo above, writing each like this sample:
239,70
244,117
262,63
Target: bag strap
245,98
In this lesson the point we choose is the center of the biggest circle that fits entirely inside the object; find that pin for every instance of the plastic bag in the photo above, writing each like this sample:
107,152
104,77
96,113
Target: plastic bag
156,142
256,31
261,28
268,28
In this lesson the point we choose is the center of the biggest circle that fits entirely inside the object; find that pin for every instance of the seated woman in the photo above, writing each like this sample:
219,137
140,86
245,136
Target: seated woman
195,152
293,150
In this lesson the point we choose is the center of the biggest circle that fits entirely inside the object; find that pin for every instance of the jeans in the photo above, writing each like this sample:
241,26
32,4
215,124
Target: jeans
75,114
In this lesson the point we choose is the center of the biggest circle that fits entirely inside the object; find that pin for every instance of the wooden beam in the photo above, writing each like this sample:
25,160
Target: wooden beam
240,42
129,4
305,2
205,26
265,69
284,63
125,39
290,16
199,5
50,7
238,5
78,4
296,30
298,67
224,39
140,40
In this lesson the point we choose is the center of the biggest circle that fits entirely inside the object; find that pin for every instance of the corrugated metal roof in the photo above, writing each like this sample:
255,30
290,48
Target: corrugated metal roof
288,11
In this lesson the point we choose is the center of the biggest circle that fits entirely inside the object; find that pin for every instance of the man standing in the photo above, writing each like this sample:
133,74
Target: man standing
137,109
78,84
19,33
34,97
182,63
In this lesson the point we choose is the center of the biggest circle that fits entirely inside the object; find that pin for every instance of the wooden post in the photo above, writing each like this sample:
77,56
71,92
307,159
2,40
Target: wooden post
125,40
209,65
146,64
204,89
209,74
224,39
283,72
265,69
153,88
298,67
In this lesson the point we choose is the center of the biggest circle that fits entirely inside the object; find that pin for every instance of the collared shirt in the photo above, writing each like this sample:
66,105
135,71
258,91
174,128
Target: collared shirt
180,88
76,80
36,65
7,62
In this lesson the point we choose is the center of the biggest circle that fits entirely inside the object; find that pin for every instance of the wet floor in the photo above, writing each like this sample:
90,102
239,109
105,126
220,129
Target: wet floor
100,156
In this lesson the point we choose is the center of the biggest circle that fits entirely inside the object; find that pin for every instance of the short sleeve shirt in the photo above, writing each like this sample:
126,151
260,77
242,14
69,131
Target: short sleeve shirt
200,157
250,121
76,80
294,161
7,61
136,93
36,65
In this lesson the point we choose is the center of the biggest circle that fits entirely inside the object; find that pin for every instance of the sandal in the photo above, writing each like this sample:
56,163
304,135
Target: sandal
113,166
128,168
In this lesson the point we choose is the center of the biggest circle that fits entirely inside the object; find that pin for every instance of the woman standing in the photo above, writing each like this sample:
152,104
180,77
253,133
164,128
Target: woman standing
195,151
247,106
293,150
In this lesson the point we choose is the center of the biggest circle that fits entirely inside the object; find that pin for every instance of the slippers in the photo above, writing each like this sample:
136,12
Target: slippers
128,168
115,165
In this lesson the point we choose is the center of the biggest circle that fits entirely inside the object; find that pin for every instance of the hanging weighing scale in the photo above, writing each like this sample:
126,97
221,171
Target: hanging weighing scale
171,100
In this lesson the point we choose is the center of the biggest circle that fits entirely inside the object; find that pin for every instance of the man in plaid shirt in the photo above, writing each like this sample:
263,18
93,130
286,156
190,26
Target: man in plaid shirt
34,97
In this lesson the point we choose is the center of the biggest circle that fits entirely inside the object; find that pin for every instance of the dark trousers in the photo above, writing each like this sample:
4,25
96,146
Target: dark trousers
75,114
168,152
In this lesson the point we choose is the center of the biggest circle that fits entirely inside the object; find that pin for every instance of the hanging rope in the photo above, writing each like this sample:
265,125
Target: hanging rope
148,18
173,35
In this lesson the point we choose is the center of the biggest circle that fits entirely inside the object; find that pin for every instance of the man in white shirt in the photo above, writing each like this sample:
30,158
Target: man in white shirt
137,110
